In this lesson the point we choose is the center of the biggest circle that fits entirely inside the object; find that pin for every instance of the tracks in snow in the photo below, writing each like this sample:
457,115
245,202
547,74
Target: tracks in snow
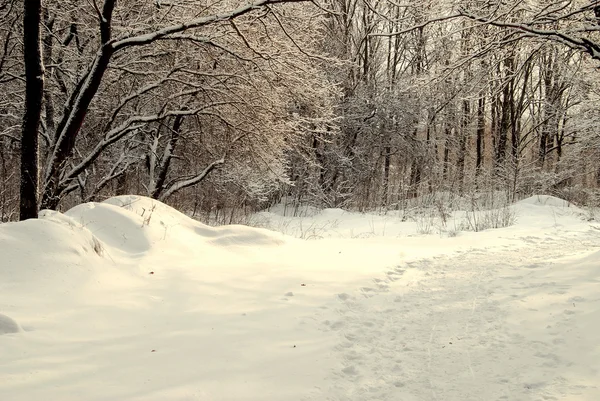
448,329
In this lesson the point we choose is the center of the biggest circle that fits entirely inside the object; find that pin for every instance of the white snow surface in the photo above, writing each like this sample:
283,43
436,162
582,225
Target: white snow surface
131,300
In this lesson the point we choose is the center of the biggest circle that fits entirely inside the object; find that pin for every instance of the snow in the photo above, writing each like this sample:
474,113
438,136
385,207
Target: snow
131,300
546,200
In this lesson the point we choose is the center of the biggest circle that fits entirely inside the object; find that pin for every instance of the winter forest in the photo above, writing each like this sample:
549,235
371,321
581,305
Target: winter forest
234,106
299,200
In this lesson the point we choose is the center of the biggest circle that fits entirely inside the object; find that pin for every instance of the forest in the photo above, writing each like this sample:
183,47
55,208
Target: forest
226,107
299,200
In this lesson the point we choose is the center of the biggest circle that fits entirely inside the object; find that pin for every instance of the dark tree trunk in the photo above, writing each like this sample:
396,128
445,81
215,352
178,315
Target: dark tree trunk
445,167
504,127
34,92
320,157
387,150
552,97
462,147
517,111
559,147
121,186
47,59
386,174
506,113
480,133
543,146
165,164
415,171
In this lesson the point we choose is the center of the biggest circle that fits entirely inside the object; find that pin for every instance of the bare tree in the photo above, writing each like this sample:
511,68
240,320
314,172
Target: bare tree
34,78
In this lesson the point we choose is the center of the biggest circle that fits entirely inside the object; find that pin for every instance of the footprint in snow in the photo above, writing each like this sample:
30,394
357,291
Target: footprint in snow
334,325
368,292
344,297
350,370
392,277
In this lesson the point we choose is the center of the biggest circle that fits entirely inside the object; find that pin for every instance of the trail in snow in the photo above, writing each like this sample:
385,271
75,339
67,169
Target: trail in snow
483,325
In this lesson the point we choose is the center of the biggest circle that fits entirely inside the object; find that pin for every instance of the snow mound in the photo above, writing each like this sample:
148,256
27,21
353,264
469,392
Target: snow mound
150,211
238,235
135,224
332,213
593,260
8,325
39,249
59,218
294,211
114,226
545,200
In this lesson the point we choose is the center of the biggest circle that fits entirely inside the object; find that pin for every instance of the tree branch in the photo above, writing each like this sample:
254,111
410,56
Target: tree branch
144,39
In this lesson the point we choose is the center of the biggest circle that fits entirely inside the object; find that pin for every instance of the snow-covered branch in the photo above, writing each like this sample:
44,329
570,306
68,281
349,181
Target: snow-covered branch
575,42
144,39
179,185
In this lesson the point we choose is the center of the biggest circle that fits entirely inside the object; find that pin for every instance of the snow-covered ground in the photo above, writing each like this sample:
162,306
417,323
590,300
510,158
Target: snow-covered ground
132,300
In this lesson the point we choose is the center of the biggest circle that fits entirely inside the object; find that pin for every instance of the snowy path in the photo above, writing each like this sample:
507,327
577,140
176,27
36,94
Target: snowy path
483,325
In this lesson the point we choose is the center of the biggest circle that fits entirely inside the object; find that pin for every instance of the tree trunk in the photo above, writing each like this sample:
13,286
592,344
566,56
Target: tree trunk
462,146
386,175
480,133
34,92
121,186
503,127
415,171
446,162
505,113
165,163
47,60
